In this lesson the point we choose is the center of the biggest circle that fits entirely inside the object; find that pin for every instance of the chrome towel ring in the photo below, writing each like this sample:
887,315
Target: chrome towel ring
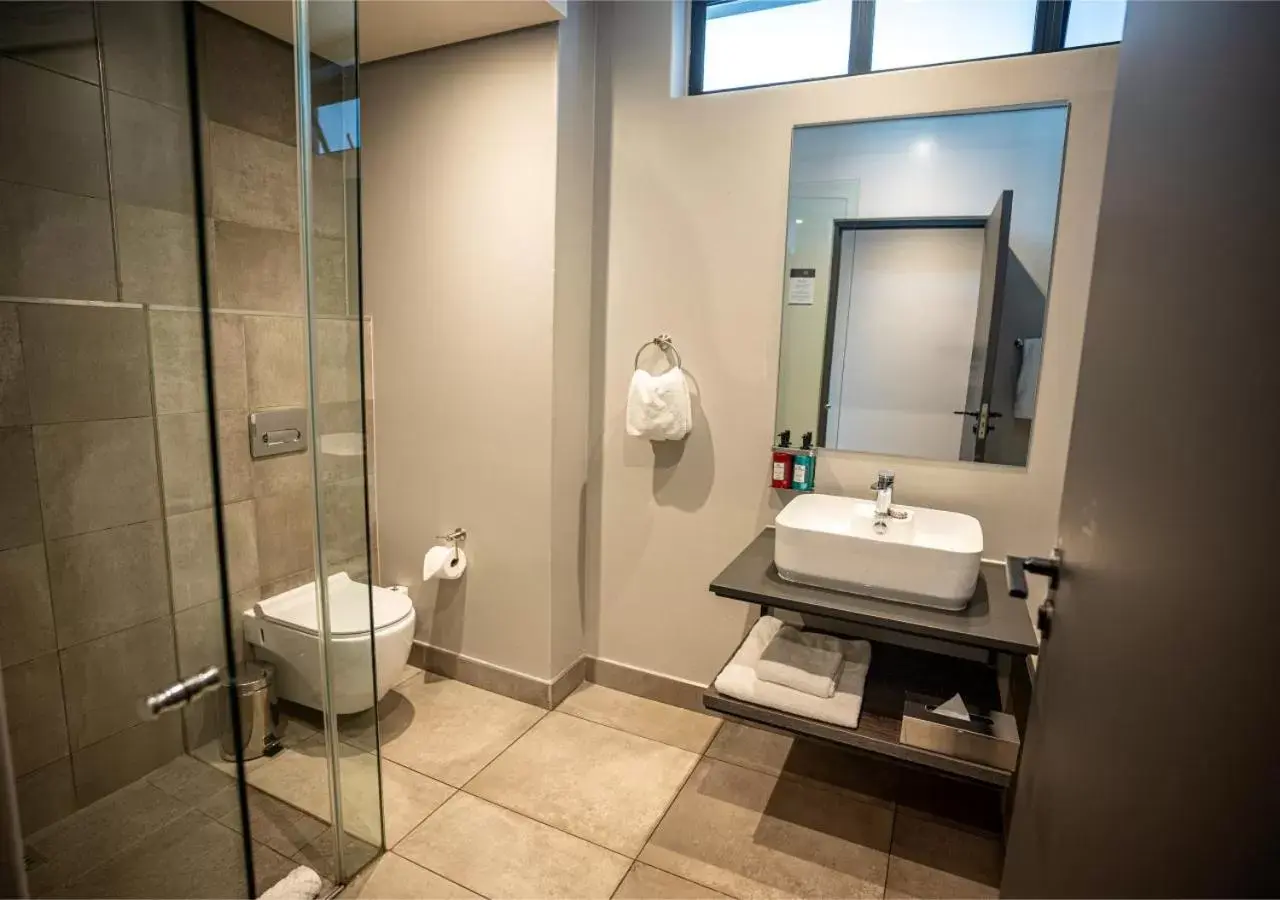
663,343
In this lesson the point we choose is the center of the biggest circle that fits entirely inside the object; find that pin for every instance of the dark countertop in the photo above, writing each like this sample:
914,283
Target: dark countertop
992,619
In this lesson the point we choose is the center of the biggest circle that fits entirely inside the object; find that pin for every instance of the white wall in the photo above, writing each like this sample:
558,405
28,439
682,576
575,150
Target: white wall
697,192
905,340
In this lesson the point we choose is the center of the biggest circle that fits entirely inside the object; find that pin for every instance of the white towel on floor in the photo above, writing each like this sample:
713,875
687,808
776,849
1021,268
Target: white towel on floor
739,680
803,660
301,884
658,406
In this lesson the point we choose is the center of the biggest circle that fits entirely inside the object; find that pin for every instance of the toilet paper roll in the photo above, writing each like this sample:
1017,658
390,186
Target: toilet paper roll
443,562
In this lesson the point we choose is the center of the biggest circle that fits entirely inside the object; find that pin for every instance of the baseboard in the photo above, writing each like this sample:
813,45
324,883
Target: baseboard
491,677
548,694
643,683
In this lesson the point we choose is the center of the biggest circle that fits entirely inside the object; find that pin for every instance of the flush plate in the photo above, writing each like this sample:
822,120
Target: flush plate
276,431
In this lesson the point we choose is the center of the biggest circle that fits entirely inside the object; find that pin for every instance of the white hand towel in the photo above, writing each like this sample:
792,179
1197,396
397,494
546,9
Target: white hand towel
300,884
802,660
1024,393
658,406
739,680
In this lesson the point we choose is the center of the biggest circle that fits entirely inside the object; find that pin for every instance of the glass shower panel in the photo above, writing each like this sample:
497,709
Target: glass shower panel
338,337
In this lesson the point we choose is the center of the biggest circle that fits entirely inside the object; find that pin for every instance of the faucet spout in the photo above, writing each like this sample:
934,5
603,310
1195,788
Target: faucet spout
884,494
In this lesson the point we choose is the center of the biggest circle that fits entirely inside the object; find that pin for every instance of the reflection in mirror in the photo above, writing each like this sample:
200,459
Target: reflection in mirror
916,278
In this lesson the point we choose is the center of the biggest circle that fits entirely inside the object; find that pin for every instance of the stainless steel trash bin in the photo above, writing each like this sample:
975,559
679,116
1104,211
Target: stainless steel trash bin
255,691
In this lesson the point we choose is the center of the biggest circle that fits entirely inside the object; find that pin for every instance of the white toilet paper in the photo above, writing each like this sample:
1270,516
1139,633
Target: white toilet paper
444,562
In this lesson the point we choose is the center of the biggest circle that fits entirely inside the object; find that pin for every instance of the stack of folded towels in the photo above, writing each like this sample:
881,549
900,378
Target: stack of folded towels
808,674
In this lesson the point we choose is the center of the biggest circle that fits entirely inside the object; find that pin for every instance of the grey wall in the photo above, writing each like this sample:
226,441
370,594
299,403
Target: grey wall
108,579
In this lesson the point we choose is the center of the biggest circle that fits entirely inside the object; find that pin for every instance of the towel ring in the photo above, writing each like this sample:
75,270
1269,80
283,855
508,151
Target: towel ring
663,343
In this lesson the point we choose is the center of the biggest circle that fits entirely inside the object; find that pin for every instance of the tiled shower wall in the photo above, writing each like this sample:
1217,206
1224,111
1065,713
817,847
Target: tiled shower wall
108,579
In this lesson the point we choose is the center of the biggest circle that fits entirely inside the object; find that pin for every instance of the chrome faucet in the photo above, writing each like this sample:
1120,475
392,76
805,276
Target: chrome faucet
884,501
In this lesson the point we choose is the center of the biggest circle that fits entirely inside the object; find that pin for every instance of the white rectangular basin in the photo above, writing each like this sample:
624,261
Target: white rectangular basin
930,558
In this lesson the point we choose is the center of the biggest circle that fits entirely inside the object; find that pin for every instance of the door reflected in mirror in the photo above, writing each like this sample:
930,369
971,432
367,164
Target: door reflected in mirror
916,282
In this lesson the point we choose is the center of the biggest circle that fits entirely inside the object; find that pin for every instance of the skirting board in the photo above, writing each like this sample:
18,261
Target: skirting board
549,694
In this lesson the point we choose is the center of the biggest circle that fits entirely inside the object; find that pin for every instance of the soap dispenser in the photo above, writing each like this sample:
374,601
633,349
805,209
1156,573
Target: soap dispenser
802,464
782,461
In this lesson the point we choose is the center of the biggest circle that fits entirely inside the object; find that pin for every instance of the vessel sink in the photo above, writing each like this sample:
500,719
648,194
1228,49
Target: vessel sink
929,558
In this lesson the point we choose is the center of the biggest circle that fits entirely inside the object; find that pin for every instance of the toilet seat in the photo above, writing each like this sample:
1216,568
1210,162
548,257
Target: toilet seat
348,607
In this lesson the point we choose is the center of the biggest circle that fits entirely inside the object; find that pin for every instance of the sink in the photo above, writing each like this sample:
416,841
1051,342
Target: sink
930,558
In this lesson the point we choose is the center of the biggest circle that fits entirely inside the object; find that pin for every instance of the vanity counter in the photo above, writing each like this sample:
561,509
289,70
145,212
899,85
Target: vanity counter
993,620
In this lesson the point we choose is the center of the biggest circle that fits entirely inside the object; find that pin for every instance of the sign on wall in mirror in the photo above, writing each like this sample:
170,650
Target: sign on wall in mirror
916,281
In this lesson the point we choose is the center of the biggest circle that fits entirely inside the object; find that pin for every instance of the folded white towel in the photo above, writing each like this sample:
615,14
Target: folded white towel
1024,393
658,406
739,680
301,884
803,660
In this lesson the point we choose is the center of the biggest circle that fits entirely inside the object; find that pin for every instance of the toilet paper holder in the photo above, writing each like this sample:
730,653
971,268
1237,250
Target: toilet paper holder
452,538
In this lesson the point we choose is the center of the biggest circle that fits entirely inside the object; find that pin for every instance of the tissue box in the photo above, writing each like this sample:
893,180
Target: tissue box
989,737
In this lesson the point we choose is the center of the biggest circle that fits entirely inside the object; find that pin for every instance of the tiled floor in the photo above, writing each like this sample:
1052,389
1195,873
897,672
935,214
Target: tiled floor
609,795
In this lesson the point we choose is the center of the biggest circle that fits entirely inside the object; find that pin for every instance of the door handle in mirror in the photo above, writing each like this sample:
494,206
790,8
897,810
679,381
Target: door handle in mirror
1017,567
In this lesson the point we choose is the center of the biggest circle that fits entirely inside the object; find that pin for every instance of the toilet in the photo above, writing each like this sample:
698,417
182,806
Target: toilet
283,630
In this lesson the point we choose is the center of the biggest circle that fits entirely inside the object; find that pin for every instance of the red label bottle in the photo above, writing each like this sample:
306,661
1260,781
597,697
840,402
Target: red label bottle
782,461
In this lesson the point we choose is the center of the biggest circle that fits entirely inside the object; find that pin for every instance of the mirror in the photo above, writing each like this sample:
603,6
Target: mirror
917,274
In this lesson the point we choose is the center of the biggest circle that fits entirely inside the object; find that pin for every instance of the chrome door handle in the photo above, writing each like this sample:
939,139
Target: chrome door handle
180,693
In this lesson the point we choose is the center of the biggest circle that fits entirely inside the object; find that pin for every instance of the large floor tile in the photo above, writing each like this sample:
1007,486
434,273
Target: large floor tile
300,777
193,857
681,728
320,855
395,878
190,781
596,782
930,859
822,765
644,882
278,825
445,729
501,854
751,835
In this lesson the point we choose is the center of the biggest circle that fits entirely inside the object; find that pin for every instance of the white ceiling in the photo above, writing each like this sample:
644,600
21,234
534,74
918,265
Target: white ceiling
392,27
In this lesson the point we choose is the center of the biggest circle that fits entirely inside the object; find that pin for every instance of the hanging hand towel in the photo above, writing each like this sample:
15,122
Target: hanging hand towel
802,660
658,406
1024,394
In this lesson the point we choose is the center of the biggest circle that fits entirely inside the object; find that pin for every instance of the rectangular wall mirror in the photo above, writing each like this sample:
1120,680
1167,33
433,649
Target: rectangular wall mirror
916,281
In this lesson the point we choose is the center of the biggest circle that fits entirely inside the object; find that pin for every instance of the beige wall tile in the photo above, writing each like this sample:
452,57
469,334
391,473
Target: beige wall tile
501,854
58,36
25,607
104,679
258,268
55,245
106,581
125,757
284,534
193,553
177,352
254,179
33,705
158,253
186,454
14,409
246,77
144,51
59,145
45,796
329,196
277,474
330,277
85,362
338,369
20,512
96,475
151,158
275,359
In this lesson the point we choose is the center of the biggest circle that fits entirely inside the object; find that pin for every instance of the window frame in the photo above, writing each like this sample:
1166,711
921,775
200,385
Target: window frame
1049,36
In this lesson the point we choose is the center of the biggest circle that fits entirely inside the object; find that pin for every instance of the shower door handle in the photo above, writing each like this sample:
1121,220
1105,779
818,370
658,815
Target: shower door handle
180,693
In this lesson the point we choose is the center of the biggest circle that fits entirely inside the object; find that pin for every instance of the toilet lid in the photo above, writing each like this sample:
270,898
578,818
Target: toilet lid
348,607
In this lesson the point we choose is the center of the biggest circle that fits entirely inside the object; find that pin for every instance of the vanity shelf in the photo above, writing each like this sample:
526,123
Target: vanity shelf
895,672
993,620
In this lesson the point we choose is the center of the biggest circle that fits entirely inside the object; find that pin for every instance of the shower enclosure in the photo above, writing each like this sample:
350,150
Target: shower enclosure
179,254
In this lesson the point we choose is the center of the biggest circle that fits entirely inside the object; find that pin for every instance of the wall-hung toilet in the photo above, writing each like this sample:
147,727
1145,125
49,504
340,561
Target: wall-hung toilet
284,631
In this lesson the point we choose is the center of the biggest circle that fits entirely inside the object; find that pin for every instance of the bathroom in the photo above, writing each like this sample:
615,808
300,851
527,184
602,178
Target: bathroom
333,341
